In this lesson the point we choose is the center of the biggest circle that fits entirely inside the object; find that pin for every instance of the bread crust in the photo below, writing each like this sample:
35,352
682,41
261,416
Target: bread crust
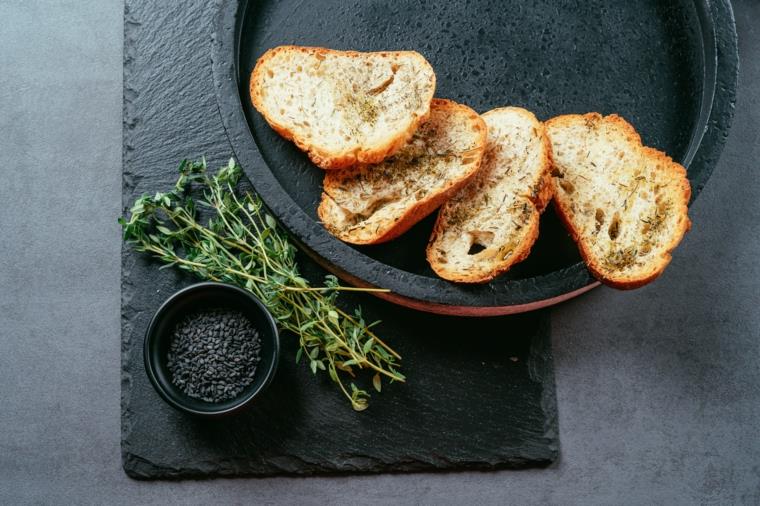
678,172
540,197
338,160
423,207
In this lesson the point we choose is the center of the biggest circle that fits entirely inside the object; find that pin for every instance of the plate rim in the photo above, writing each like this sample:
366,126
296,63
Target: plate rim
414,290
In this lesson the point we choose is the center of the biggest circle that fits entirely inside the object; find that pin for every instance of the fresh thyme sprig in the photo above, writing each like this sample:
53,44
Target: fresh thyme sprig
244,246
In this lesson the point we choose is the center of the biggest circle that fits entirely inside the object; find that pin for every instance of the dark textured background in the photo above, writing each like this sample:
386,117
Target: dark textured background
658,390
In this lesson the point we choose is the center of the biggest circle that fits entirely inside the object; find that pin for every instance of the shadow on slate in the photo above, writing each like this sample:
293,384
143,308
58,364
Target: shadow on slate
480,392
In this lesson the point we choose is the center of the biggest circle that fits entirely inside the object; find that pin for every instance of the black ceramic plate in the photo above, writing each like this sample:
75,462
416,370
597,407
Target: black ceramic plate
668,67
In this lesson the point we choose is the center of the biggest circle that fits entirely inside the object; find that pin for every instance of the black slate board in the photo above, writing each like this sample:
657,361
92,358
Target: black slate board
480,392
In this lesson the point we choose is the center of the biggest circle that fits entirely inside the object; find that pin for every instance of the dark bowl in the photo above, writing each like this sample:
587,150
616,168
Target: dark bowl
206,296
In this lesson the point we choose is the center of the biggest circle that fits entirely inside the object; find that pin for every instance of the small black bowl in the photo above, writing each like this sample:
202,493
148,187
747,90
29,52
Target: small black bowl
196,298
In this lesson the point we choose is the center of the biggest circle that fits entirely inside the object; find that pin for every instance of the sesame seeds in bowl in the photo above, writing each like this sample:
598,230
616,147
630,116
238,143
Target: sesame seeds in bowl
210,349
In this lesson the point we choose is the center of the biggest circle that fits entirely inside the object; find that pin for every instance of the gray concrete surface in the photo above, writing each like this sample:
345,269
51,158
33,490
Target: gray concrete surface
659,389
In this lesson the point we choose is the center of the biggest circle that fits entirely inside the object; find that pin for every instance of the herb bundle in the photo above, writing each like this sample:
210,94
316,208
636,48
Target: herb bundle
243,245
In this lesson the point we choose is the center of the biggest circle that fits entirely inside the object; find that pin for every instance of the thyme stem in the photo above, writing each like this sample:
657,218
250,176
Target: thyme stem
243,245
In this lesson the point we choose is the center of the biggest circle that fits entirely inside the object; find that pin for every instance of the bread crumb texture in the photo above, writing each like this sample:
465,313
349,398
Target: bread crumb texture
343,107
625,204
376,203
491,224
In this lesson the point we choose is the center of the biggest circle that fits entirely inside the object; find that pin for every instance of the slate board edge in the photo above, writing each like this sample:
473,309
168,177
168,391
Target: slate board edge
126,331
139,468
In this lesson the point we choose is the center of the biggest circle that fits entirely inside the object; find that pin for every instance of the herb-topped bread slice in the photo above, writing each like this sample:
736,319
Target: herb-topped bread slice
491,223
343,107
624,204
376,203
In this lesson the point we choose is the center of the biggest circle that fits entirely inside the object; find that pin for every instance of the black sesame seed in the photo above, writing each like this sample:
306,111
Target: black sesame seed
213,354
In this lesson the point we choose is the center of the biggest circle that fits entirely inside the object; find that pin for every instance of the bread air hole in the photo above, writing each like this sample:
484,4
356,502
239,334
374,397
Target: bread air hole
479,240
614,230
599,219
374,207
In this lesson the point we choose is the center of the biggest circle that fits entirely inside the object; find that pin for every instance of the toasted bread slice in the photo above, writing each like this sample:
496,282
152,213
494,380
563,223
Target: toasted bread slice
343,107
624,204
491,223
376,203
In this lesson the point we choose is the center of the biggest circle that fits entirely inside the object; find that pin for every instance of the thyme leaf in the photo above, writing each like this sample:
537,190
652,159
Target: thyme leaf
243,245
